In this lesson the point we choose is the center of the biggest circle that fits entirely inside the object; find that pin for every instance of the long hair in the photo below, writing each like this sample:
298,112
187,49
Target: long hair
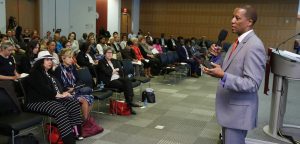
39,66
31,45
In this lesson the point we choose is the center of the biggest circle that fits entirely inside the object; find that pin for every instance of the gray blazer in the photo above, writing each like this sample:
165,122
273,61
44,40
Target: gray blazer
237,101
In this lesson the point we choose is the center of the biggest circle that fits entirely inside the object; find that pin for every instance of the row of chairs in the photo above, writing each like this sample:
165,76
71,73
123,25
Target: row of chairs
170,65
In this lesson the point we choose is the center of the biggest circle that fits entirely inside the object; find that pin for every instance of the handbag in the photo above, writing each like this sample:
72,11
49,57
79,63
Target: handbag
148,95
53,134
90,127
119,108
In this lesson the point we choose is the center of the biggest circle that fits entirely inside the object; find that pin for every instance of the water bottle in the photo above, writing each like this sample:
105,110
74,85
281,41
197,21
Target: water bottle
101,87
145,102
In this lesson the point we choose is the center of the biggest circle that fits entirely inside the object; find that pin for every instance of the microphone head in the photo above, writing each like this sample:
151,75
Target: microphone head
222,36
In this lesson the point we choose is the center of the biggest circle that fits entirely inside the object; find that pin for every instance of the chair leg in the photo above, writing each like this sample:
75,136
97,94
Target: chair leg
13,136
43,131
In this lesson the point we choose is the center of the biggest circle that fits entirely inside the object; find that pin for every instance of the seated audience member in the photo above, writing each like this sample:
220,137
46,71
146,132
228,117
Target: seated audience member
128,52
26,63
82,39
101,46
147,52
57,41
185,56
110,72
67,75
123,42
7,62
171,43
139,56
48,36
45,95
51,46
162,41
84,59
74,42
157,46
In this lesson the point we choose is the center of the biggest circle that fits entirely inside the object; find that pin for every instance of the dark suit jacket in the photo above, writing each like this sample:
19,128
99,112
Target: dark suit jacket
182,55
170,45
105,71
160,41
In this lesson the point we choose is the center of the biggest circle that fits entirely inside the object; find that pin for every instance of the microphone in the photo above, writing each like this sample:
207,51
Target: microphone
277,48
222,36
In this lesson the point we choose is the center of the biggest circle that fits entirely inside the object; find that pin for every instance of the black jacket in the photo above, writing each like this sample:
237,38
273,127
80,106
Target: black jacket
105,71
40,88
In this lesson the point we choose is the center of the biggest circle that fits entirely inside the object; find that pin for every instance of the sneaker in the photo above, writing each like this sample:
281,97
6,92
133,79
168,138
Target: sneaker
80,138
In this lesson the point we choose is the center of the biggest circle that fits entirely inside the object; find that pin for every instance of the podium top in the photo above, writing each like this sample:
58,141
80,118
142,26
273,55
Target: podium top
286,54
285,63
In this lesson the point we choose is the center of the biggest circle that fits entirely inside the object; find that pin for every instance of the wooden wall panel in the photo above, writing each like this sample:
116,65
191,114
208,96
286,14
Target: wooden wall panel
25,11
276,18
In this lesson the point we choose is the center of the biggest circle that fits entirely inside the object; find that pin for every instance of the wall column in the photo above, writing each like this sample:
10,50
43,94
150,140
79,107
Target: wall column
135,14
114,16
2,17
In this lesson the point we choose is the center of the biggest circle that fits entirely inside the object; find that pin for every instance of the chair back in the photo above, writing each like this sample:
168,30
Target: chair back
128,68
7,104
163,59
85,76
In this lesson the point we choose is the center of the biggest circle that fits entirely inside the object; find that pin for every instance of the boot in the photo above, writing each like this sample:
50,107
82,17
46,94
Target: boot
69,139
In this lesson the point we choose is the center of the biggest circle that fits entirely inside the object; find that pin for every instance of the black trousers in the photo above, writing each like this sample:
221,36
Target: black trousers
124,85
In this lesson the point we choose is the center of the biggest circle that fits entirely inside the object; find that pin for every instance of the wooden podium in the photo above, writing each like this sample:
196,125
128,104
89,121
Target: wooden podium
285,66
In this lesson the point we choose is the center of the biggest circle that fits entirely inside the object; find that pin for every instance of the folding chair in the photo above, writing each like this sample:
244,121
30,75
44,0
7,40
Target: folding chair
13,120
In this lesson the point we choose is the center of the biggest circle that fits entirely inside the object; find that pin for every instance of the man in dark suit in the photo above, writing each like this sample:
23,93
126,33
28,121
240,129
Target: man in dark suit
185,55
162,41
240,77
171,44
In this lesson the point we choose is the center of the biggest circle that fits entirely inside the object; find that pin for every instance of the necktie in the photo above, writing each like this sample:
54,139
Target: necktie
233,47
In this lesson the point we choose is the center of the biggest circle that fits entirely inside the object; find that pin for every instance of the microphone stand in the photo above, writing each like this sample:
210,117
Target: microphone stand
277,48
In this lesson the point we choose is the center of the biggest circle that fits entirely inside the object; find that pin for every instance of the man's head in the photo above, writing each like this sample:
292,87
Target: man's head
243,19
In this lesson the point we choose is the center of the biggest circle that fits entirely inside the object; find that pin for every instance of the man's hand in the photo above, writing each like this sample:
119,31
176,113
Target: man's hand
215,72
215,50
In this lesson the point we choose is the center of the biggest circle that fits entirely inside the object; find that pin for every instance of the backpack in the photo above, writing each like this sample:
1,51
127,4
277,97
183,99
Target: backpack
25,139
149,95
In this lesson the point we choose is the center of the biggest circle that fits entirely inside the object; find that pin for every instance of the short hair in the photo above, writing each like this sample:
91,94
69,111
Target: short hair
107,49
65,52
250,12
6,44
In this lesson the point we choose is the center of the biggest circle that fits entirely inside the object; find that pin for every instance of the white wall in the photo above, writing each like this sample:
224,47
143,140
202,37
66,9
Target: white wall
2,16
113,15
82,16
71,15
135,14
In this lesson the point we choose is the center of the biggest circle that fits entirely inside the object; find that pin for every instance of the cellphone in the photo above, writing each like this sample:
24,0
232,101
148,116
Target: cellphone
208,64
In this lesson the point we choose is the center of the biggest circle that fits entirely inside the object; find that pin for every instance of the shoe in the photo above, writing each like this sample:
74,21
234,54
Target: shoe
194,75
151,76
133,112
135,105
80,138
